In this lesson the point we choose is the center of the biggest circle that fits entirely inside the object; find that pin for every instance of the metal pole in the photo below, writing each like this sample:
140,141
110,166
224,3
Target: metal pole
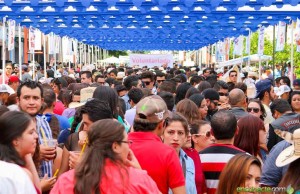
274,43
3,49
45,67
292,52
20,53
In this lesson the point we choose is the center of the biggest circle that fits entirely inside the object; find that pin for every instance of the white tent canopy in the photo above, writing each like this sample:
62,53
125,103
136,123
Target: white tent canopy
238,61
111,60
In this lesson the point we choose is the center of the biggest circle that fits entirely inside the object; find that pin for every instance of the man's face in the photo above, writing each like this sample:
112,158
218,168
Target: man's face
100,81
212,104
15,85
160,80
148,83
223,95
84,79
3,97
272,93
233,77
282,82
30,100
112,75
8,69
206,73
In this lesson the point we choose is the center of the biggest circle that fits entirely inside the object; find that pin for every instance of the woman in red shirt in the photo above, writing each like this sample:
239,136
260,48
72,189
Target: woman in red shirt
108,166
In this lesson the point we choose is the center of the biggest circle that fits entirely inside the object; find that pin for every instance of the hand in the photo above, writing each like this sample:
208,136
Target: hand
73,159
47,153
47,183
132,161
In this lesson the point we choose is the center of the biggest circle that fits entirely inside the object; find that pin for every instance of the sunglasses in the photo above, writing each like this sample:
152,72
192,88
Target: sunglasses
147,83
207,134
223,94
216,103
256,110
160,81
235,75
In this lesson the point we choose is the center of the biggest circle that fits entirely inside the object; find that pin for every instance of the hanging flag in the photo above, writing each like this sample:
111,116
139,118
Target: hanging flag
280,36
227,48
238,45
57,44
31,39
247,49
261,40
38,40
11,34
297,35
51,45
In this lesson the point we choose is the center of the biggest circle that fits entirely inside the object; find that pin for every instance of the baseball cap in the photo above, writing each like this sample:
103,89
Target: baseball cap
151,109
13,79
296,82
4,88
262,85
282,89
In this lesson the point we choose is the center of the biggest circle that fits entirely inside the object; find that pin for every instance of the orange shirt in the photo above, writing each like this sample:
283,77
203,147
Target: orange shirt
116,180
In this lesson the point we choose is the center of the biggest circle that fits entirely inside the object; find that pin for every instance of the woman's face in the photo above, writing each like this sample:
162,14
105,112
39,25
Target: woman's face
262,137
296,102
188,143
204,138
26,144
254,109
203,109
253,177
174,135
124,147
55,88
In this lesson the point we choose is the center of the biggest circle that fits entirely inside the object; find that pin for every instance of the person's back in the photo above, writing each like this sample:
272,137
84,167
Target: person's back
215,157
286,120
115,180
159,160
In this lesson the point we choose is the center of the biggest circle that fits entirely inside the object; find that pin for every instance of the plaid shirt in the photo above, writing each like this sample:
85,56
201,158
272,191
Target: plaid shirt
46,166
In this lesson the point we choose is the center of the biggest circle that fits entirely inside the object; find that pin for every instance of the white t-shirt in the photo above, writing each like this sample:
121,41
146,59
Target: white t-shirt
14,180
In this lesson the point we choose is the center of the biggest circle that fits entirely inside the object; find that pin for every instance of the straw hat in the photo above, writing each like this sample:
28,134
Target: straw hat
85,95
292,152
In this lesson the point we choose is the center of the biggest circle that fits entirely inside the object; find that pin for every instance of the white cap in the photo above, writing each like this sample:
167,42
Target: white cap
282,89
4,88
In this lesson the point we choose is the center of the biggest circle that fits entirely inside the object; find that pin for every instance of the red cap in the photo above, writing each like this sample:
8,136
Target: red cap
13,78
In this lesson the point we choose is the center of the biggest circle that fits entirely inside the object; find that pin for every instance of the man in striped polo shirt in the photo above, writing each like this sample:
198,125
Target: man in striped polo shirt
215,157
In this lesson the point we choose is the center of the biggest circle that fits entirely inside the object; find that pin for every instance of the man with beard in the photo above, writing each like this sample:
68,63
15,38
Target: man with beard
265,92
29,97
212,98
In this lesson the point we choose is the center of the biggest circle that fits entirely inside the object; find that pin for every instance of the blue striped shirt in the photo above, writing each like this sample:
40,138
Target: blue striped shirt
46,166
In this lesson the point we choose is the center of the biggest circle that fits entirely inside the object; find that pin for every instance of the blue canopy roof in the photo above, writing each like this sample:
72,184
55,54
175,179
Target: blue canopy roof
149,24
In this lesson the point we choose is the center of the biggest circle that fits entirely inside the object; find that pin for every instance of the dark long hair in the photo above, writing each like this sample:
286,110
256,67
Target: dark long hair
247,138
12,125
101,137
109,95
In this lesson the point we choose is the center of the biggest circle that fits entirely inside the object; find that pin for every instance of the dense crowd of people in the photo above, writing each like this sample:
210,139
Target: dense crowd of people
147,130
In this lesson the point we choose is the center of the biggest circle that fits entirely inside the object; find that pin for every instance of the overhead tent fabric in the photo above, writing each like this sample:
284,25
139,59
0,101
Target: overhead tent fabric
149,24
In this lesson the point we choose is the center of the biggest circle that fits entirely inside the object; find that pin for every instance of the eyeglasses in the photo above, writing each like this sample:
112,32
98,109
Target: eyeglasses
256,110
234,75
206,134
129,142
223,94
160,81
101,83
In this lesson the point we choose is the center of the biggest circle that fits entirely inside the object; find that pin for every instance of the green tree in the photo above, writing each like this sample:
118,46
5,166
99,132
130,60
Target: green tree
116,53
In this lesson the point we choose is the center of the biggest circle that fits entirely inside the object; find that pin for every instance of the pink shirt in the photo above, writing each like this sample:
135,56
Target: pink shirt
116,181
